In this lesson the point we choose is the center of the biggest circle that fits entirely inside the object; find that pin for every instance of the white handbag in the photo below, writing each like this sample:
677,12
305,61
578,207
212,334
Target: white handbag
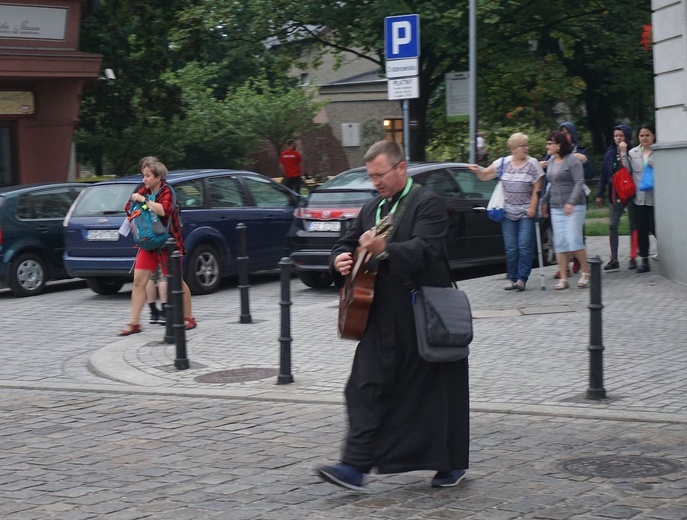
495,208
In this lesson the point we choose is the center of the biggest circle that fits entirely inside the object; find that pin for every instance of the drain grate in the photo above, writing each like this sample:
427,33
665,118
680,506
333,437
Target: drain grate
619,466
237,375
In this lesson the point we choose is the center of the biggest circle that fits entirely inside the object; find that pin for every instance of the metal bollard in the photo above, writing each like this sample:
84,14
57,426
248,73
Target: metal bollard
177,295
285,376
171,246
242,261
596,388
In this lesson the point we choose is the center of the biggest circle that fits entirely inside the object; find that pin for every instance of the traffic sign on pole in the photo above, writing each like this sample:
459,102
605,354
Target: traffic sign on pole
402,68
403,88
402,36
402,50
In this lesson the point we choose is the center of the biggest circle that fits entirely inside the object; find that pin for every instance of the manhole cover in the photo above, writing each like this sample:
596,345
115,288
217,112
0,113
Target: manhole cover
614,466
237,375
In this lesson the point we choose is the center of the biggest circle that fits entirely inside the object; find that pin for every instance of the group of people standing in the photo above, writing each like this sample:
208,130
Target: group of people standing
557,185
640,208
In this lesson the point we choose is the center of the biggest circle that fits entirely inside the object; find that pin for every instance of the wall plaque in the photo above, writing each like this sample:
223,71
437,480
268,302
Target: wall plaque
15,102
32,22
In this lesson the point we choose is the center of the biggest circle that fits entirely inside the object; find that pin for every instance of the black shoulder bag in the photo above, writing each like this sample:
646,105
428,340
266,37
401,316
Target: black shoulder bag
443,323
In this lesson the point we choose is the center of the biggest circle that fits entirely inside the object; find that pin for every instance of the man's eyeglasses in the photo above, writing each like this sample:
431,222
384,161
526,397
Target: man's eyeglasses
379,176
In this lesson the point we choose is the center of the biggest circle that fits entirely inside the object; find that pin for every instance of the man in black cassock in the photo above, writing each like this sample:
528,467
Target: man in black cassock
404,413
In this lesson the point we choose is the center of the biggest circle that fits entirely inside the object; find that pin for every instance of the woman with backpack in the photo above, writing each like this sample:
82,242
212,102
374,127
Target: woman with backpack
622,136
158,197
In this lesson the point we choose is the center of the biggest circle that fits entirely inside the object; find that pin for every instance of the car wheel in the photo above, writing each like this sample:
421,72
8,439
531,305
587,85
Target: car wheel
315,279
203,276
28,275
104,286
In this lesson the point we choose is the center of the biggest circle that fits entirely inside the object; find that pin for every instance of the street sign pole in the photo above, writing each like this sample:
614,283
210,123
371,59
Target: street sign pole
406,128
402,52
472,58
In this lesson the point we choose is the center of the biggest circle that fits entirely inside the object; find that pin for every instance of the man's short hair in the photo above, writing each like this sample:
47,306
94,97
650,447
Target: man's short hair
156,167
391,149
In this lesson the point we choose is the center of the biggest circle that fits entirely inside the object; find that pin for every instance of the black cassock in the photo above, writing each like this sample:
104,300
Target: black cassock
404,413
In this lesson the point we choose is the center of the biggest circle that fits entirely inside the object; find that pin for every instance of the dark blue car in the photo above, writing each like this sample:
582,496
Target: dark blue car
212,204
31,237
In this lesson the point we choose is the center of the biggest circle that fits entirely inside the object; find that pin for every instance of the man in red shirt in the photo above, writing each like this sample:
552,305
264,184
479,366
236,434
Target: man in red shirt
290,163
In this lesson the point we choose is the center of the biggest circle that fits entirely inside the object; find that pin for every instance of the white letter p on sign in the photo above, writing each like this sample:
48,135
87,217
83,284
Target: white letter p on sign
400,35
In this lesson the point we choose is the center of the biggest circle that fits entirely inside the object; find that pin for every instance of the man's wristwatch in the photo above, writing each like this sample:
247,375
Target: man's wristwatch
145,199
383,255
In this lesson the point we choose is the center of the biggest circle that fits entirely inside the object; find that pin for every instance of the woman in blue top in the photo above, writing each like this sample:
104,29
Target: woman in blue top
521,176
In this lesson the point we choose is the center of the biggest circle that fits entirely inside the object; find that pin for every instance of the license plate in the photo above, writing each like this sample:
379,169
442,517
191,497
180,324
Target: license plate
110,235
324,226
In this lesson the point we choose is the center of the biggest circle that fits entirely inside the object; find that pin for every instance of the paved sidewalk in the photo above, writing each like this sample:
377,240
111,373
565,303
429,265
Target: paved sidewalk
115,432
529,353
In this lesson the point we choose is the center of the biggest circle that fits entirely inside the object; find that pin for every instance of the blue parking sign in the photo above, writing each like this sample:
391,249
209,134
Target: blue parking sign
402,36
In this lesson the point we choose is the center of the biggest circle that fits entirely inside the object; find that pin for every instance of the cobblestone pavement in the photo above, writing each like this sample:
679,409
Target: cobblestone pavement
101,427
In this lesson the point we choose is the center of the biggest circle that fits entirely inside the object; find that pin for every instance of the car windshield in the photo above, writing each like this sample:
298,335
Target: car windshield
351,180
350,187
105,199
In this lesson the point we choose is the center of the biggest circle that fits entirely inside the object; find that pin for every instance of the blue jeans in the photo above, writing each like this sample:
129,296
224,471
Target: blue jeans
518,239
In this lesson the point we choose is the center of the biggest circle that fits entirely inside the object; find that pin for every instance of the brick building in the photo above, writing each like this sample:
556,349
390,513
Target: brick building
42,78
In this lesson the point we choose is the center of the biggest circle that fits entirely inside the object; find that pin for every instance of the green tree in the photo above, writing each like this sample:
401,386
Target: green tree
585,59
274,113
533,60
169,98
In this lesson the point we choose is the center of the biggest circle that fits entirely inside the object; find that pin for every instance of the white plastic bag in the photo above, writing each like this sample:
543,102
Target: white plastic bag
495,208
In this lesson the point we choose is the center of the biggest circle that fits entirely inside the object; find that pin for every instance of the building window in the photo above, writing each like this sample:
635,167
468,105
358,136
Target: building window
305,79
393,130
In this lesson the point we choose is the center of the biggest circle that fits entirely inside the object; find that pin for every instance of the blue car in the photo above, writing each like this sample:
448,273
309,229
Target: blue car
212,203
31,237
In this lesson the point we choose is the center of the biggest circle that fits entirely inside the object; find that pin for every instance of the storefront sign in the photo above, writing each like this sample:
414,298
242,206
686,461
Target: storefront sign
14,102
33,23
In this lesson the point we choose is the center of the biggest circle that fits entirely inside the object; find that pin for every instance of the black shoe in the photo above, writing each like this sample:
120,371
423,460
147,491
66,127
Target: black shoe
154,317
613,265
448,478
342,475
633,264
162,319
644,268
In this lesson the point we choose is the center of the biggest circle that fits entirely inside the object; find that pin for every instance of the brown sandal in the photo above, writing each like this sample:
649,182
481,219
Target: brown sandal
130,329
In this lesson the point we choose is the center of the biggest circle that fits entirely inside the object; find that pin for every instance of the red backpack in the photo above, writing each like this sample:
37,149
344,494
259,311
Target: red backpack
623,185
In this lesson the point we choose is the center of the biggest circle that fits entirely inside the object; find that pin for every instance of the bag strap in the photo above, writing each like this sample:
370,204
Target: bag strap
401,209
411,285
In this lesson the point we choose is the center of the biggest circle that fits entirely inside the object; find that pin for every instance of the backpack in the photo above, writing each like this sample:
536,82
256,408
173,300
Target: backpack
623,185
148,230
